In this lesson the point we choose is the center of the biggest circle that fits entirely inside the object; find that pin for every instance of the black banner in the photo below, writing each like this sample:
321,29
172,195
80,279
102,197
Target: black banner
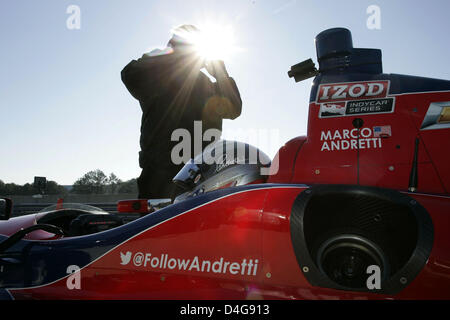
370,106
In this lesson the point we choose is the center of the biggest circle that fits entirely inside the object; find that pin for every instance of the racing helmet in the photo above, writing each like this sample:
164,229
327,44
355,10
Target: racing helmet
222,164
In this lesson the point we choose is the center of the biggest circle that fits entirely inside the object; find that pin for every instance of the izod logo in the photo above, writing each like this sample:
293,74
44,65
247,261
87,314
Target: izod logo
333,92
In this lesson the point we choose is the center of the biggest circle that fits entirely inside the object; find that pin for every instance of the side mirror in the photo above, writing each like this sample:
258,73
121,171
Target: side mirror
142,206
156,204
5,208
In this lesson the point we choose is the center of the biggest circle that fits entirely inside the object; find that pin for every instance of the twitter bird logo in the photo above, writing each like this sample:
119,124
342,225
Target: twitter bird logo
125,258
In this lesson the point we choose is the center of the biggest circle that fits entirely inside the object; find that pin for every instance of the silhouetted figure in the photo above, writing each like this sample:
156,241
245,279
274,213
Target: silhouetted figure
173,93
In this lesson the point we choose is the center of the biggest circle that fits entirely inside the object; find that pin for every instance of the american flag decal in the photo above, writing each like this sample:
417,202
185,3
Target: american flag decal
382,132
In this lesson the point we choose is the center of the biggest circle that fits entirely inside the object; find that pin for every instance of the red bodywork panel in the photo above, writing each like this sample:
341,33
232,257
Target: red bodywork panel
234,228
383,161
248,233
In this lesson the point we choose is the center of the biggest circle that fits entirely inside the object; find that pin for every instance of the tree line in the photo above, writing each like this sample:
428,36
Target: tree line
93,182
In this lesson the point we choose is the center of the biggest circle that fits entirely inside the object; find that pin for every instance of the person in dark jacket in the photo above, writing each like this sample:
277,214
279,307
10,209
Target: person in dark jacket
173,92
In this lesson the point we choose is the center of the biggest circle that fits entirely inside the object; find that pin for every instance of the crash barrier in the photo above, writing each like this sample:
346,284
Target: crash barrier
28,208
70,198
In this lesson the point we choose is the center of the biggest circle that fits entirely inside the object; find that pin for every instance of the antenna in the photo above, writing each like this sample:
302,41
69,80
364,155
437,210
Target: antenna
413,176
357,123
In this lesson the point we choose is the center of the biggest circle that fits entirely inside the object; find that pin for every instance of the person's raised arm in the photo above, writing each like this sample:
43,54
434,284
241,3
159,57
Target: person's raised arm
226,91
143,77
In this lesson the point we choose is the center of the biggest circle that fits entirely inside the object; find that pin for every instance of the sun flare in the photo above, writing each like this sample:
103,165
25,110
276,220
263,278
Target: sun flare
213,42
216,42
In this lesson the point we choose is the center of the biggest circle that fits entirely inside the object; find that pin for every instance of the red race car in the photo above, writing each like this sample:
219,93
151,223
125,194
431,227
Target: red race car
357,209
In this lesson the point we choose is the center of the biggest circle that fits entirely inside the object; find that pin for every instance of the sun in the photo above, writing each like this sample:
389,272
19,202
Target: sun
213,42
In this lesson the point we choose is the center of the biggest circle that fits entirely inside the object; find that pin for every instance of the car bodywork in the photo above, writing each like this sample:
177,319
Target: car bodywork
373,166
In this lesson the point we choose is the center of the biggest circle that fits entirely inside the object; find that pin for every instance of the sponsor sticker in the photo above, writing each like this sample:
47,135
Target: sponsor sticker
347,91
333,109
437,116
354,98
352,108
370,106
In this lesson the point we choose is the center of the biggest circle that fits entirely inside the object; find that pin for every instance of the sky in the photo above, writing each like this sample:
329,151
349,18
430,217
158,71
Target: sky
64,110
